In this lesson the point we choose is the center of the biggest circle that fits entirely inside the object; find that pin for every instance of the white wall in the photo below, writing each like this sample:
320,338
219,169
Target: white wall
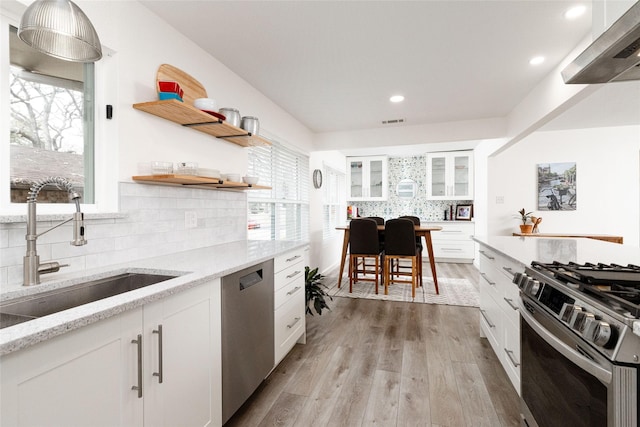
608,182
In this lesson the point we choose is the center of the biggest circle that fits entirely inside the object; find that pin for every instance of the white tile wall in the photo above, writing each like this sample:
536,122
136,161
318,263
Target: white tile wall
154,225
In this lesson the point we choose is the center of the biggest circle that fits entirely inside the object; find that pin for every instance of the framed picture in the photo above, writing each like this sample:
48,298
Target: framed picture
464,212
557,186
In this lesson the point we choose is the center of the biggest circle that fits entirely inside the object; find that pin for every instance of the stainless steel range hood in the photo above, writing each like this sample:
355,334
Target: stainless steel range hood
614,56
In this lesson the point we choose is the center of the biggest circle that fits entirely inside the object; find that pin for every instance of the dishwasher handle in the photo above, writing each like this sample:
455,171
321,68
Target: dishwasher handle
248,280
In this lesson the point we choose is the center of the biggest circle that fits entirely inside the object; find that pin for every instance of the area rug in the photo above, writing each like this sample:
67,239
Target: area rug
452,292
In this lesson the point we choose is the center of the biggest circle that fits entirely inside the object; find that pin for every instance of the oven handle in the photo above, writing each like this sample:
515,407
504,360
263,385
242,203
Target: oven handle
597,371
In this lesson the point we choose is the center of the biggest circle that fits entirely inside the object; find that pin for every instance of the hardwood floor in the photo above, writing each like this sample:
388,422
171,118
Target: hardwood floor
388,363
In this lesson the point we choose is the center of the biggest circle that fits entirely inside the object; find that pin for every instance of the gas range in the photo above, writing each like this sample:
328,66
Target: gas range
600,303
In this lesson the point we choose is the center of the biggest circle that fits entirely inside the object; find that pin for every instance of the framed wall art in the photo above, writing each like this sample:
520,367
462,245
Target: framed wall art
557,186
464,212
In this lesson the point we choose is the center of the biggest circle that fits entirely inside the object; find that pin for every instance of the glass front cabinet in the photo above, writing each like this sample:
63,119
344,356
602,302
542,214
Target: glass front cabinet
450,175
367,178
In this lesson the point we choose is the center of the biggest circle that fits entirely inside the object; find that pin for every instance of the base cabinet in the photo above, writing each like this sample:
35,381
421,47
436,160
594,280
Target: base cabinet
453,243
289,301
157,365
499,313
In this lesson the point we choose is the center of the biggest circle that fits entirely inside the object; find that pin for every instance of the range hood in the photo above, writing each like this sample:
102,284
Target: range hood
614,56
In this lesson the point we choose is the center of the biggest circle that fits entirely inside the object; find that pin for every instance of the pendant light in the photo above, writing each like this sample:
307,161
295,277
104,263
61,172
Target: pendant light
61,29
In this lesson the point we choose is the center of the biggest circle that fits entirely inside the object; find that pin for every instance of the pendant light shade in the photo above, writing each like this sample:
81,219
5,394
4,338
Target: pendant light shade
61,29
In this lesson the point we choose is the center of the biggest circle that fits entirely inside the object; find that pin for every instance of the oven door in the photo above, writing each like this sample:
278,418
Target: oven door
564,382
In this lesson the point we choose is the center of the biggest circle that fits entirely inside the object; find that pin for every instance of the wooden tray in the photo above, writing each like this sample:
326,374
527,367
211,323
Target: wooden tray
192,88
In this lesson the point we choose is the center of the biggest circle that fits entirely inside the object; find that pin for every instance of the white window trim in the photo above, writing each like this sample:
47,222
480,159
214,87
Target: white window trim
106,160
339,179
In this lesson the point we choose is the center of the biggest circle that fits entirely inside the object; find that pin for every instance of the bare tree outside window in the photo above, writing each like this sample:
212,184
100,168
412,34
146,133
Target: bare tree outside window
48,129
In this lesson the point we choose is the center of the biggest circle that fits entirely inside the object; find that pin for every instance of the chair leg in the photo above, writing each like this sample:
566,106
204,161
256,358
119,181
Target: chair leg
414,276
351,273
377,273
386,267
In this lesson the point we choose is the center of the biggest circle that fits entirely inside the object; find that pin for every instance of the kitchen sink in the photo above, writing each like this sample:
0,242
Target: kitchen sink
30,307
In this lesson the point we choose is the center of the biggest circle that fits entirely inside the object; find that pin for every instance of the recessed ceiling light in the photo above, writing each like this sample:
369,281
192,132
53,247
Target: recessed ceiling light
396,98
536,60
575,12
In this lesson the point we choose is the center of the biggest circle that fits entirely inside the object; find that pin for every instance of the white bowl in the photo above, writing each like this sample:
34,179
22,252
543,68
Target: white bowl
205,104
233,177
253,180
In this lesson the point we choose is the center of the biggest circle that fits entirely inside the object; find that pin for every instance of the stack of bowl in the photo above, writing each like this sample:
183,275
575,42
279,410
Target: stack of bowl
169,90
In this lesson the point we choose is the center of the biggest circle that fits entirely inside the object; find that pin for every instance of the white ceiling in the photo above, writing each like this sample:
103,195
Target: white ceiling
334,64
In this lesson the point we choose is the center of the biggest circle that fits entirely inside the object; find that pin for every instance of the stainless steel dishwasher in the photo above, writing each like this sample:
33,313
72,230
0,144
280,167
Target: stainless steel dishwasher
247,334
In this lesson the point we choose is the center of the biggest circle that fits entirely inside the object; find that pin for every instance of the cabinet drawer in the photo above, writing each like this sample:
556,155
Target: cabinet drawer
491,321
290,258
289,274
453,249
511,353
289,291
289,325
454,231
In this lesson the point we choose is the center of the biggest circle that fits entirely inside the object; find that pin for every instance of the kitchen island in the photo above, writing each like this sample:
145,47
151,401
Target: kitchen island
150,356
501,257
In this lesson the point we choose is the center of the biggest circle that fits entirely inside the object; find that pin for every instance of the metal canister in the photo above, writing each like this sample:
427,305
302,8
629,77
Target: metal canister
232,115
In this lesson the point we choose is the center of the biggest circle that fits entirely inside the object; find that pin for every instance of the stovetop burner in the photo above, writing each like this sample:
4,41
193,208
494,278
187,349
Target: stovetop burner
614,285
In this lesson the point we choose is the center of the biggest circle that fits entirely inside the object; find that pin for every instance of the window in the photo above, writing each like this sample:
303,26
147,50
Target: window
333,204
51,123
281,213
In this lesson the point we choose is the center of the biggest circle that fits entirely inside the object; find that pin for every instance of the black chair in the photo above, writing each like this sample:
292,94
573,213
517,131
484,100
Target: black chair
399,244
416,221
363,244
380,221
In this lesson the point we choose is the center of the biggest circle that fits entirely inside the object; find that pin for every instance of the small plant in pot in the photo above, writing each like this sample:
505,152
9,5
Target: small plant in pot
314,291
525,217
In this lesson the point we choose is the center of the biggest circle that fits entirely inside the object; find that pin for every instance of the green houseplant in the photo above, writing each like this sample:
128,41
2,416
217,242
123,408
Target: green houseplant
525,217
314,291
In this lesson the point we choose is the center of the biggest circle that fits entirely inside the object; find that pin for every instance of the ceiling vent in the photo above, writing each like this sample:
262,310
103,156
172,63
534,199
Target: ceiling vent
392,121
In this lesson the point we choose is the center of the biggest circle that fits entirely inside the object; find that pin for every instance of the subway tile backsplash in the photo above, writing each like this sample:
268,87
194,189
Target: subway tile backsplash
152,224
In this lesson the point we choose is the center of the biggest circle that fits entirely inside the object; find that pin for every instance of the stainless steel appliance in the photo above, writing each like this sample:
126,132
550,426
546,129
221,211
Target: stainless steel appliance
579,353
247,334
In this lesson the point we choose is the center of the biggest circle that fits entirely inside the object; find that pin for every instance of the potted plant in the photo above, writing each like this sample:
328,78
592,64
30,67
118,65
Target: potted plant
314,291
525,217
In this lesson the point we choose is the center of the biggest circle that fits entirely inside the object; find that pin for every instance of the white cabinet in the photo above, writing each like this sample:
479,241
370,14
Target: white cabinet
450,175
499,315
453,243
367,178
108,373
289,301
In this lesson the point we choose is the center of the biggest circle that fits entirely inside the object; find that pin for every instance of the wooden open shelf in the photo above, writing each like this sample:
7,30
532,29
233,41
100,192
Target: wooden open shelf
189,116
197,181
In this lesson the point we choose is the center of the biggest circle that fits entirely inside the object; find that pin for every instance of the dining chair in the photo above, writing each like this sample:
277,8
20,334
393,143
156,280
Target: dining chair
419,247
400,244
364,244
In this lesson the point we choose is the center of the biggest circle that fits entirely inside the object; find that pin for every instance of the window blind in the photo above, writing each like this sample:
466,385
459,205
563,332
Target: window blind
281,213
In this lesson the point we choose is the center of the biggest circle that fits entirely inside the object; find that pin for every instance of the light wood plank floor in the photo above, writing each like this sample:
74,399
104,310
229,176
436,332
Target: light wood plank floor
387,363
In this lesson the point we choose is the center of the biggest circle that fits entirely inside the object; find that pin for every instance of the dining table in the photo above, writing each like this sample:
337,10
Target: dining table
421,231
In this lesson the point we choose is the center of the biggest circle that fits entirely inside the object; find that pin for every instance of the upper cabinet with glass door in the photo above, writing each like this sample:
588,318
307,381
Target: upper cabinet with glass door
367,178
450,175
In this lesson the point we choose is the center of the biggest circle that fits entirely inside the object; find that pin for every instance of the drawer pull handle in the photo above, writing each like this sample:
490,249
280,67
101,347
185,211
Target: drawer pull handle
138,387
509,270
511,304
513,361
293,258
451,231
484,276
296,320
484,314
294,274
484,253
294,290
451,249
160,373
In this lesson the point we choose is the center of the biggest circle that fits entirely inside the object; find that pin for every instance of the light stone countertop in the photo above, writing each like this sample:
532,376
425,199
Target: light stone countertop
193,267
524,250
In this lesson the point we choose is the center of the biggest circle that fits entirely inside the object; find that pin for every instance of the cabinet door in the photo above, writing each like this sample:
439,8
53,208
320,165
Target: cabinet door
450,175
462,176
82,378
367,178
180,360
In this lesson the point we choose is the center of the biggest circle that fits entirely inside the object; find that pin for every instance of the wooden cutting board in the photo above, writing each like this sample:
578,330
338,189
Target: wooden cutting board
192,88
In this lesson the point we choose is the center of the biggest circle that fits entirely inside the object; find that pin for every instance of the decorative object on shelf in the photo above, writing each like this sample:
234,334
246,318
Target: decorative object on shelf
187,168
174,87
557,186
535,220
59,28
163,96
250,124
232,115
252,180
314,291
525,217
464,212
317,178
